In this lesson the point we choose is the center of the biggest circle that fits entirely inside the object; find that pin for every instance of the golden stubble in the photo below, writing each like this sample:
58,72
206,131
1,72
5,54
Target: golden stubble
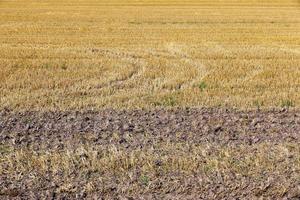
127,54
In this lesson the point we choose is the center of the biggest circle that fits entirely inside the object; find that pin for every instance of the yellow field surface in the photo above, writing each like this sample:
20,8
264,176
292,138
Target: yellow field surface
87,54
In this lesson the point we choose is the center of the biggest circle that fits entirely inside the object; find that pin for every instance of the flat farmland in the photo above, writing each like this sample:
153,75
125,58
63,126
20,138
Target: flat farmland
143,54
149,99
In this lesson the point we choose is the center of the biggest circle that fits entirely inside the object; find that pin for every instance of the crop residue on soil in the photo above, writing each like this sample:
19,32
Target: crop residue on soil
183,153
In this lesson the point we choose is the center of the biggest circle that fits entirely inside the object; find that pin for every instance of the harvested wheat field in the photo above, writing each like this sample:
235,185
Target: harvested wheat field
149,99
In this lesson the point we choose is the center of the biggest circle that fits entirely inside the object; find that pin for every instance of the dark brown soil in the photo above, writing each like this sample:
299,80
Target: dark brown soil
196,125
54,130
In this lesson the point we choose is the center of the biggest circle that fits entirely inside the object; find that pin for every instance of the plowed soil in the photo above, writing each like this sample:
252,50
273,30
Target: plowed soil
242,134
219,126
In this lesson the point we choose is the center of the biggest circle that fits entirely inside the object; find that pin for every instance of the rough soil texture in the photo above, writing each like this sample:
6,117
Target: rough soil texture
197,125
222,128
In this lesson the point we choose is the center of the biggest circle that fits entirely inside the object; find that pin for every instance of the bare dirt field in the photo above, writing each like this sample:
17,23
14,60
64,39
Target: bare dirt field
179,153
149,99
